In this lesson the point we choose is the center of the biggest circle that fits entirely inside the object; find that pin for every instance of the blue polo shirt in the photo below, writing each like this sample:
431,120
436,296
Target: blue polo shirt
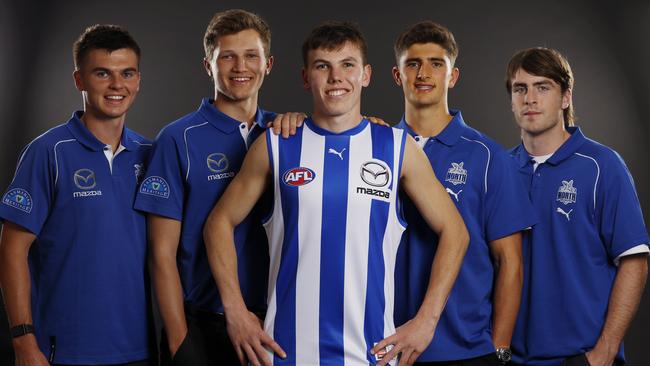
193,161
88,262
589,214
480,179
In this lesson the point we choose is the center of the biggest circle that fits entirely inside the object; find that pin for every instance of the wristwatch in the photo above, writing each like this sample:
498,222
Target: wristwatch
504,355
21,329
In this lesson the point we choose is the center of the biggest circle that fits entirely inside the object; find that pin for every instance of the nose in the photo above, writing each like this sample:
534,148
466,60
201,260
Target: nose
240,64
424,71
334,75
530,97
117,82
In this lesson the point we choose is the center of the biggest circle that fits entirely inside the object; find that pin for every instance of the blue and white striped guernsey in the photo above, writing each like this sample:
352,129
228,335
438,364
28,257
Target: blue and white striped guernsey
333,238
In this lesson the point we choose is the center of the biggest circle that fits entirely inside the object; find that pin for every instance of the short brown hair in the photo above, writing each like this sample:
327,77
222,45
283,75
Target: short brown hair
548,63
426,32
332,35
231,22
104,37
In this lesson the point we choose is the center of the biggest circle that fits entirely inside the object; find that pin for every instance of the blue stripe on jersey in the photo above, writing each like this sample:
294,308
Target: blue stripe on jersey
375,297
332,267
285,335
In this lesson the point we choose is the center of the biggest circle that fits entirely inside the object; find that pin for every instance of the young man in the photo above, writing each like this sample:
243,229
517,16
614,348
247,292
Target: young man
480,178
73,250
334,227
193,160
586,260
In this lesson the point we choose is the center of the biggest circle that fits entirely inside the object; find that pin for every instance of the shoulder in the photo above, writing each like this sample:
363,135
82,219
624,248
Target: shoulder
50,139
603,156
178,128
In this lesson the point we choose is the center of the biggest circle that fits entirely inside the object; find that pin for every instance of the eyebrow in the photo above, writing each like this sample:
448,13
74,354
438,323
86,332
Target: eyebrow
411,59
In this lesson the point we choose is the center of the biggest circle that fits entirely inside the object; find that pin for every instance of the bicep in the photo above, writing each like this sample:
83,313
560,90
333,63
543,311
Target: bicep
423,188
16,240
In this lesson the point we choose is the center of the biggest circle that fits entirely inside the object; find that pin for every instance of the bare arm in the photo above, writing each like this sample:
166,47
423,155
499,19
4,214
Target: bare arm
236,203
164,235
623,304
506,255
435,206
16,288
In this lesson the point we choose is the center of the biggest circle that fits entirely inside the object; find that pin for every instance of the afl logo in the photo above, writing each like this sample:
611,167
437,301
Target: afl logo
84,179
375,173
298,176
217,162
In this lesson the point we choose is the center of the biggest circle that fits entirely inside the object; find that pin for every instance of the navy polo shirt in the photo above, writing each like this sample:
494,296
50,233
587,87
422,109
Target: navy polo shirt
88,262
193,161
589,214
480,179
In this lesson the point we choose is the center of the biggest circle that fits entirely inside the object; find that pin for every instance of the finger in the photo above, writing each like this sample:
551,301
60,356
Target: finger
383,343
250,354
273,345
240,355
390,355
414,357
262,354
286,125
405,357
277,124
294,123
301,118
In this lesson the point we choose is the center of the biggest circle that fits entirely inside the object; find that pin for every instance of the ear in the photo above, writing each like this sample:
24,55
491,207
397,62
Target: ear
367,72
455,74
269,64
206,66
137,88
397,76
305,79
566,98
78,80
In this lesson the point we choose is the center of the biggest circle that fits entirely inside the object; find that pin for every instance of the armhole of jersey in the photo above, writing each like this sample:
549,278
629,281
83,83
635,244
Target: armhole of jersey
399,210
269,148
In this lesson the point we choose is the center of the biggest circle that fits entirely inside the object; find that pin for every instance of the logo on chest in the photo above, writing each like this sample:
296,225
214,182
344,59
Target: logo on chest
456,174
567,193
299,176
218,164
377,175
85,180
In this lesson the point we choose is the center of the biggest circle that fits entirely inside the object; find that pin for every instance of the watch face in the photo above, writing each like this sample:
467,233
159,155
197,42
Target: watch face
504,354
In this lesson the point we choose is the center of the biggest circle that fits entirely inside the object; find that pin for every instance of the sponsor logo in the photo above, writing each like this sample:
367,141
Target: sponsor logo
453,193
298,176
373,192
375,173
84,179
217,162
78,194
18,198
561,211
339,154
155,186
456,174
567,193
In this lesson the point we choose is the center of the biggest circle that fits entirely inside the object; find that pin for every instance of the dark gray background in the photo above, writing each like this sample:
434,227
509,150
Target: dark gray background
606,43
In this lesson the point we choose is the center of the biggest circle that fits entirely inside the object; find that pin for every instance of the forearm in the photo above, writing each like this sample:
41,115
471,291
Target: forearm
623,302
169,293
507,296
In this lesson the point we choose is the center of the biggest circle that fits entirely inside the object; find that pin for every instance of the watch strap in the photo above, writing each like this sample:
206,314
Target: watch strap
21,329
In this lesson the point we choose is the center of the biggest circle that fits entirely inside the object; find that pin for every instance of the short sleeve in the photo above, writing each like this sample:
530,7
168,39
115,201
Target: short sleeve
163,189
28,198
507,205
621,219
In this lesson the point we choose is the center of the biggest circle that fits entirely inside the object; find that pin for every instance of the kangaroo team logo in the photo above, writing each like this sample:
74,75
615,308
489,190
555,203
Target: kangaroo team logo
138,171
217,162
375,173
567,193
456,174
155,186
298,176
20,199
84,179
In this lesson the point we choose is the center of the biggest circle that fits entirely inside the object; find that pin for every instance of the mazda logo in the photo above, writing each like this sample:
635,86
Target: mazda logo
84,179
217,162
375,173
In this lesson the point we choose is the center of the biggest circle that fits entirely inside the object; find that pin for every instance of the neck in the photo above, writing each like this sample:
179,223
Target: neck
338,123
546,142
427,121
241,110
106,130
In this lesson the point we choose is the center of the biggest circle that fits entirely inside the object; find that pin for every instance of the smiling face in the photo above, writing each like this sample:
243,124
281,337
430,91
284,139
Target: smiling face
538,103
109,82
238,66
336,78
425,72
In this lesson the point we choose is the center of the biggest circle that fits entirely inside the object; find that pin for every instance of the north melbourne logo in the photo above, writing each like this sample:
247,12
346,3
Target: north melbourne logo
456,174
567,193
18,198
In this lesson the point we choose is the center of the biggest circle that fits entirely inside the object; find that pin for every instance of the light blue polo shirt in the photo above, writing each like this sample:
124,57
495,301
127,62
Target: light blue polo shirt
480,179
88,262
193,161
589,215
